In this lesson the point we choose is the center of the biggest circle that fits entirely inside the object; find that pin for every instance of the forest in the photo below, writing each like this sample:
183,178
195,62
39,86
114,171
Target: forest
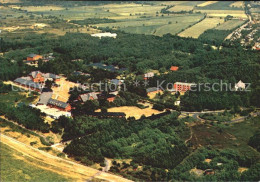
198,62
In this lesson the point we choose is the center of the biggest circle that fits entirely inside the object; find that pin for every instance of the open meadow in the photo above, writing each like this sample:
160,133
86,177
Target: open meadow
223,13
157,25
230,24
196,30
206,3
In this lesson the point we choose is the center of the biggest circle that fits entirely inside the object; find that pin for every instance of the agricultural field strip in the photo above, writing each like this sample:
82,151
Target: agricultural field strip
230,24
196,30
172,24
223,13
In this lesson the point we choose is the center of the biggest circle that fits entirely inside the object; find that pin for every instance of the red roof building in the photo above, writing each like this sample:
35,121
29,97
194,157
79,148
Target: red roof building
34,57
174,68
183,87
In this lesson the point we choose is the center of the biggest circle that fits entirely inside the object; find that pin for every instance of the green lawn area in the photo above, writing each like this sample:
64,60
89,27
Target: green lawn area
15,169
15,97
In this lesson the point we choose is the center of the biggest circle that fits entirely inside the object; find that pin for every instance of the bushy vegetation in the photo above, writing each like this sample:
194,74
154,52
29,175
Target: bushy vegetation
120,138
29,117
90,21
214,37
220,117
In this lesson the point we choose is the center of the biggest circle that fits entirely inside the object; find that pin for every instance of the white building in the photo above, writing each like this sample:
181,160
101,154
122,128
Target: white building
106,34
240,85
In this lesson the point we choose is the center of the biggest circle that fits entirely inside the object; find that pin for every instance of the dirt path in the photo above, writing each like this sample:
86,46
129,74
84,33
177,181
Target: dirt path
58,165
108,165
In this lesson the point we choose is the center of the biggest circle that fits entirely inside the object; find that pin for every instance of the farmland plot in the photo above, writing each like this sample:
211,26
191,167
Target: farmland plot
196,30
157,26
206,3
230,24
179,8
224,13
237,4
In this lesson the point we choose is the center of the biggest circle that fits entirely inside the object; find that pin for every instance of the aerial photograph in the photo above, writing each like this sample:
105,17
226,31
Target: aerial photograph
120,91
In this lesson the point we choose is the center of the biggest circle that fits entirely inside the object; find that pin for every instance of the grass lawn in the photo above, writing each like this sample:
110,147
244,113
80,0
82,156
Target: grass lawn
14,168
15,97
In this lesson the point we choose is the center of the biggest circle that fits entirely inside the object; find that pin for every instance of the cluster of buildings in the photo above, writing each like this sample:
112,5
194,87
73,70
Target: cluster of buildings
98,95
46,99
36,80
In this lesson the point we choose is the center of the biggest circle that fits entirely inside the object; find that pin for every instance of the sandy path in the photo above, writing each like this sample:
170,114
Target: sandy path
55,164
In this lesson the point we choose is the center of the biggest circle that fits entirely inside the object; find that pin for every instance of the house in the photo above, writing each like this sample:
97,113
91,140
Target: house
88,96
182,86
148,75
45,96
63,106
152,91
37,77
174,68
108,114
105,34
111,98
40,77
177,103
240,85
33,57
48,57
51,76
27,82
209,172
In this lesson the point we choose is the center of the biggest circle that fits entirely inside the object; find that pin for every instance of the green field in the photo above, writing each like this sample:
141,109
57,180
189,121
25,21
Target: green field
15,169
196,30
16,97
230,24
157,26
223,5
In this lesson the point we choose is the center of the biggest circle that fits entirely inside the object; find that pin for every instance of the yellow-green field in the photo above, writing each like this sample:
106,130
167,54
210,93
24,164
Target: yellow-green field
196,30
14,168
238,4
206,3
40,8
179,8
230,24
224,13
